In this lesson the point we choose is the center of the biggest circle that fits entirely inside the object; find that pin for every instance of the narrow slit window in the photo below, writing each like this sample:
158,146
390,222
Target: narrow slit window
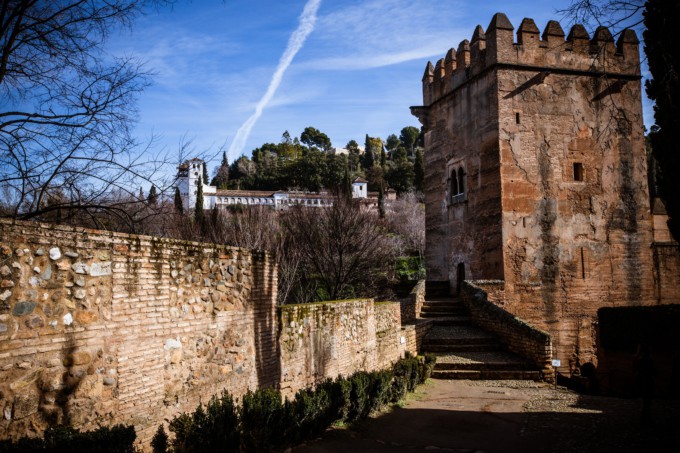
461,180
454,184
516,117
583,264
578,171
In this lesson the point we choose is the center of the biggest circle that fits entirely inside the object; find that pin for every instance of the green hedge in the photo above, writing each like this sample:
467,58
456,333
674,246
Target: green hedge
116,439
266,423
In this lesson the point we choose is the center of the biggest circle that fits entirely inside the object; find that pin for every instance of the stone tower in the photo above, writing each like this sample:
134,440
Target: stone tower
187,183
535,174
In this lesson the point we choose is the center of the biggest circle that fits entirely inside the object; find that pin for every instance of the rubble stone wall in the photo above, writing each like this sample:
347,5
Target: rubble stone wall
517,335
329,339
99,328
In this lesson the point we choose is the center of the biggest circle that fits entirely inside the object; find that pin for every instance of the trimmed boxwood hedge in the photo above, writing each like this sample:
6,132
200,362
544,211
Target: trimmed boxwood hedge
266,423
115,439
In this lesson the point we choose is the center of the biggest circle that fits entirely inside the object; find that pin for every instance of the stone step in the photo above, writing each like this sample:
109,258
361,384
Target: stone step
443,307
452,321
459,332
451,348
440,314
455,341
443,302
530,375
476,360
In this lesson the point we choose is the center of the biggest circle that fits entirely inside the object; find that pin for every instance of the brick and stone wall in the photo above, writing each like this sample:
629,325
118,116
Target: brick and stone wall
328,339
667,272
99,328
516,334
412,304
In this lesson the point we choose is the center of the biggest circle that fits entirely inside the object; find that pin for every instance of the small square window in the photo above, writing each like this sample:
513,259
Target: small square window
578,171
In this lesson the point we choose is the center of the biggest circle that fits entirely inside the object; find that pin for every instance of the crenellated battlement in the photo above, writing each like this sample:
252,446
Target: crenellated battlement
532,50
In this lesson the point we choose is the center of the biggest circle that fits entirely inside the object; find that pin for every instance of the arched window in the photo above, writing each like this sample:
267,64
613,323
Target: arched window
461,180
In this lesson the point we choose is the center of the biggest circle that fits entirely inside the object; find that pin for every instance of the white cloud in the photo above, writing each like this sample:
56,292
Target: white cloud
376,33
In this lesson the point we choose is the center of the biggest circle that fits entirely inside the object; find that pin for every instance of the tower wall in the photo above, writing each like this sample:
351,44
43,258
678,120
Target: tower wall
550,132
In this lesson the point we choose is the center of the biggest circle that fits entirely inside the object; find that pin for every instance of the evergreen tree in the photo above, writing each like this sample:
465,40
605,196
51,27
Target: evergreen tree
152,198
214,217
663,56
409,137
225,162
179,207
419,171
400,176
381,201
368,160
198,209
354,158
205,173
346,187
392,143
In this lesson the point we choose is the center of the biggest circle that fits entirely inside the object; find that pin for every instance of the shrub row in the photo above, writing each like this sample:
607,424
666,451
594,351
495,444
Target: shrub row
264,422
116,439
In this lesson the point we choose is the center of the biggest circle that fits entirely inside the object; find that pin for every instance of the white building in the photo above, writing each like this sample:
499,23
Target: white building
187,182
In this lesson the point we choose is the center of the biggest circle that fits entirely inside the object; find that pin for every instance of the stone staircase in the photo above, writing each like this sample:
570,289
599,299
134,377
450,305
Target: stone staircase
465,351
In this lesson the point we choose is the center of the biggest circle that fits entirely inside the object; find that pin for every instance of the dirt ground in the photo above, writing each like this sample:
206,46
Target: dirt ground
508,416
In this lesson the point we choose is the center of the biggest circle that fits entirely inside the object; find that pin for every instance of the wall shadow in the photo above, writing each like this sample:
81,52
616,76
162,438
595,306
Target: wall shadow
593,424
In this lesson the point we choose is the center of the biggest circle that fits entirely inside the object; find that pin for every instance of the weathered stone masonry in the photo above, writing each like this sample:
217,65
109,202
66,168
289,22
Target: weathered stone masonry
99,328
535,174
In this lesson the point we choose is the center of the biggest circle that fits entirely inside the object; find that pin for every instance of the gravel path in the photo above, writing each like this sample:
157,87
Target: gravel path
508,416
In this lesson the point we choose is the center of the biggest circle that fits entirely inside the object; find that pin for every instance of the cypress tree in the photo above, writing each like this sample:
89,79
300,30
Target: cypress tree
206,178
152,198
419,171
346,188
368,160
198,210
179,207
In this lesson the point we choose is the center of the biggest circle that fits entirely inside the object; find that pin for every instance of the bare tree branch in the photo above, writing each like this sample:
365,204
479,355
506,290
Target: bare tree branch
66,108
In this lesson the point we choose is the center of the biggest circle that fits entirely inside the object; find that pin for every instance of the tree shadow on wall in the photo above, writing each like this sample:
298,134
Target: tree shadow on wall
57,389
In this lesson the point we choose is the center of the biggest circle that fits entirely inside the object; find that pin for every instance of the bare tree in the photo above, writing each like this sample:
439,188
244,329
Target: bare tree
66,108
614,14
406,217
344,247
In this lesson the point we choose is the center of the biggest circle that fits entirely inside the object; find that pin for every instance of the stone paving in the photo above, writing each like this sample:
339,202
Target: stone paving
507,416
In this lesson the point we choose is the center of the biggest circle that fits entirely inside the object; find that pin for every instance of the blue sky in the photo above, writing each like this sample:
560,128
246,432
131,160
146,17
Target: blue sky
357,72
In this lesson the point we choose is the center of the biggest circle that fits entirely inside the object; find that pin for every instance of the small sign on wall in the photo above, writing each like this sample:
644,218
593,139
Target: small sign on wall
556,363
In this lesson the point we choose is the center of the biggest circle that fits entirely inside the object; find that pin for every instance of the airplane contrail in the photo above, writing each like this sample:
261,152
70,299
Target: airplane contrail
297,39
